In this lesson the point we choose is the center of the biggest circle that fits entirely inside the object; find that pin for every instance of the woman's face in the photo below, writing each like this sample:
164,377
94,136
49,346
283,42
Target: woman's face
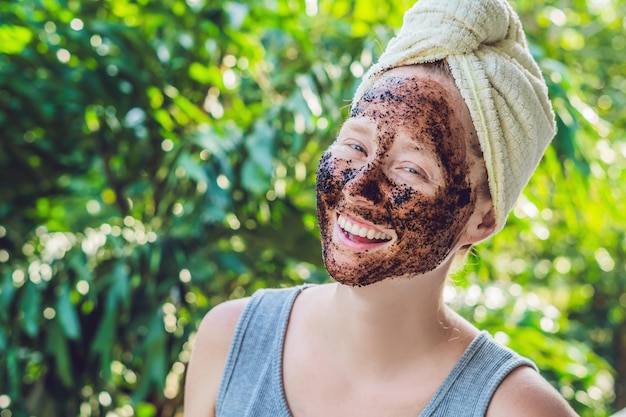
394,190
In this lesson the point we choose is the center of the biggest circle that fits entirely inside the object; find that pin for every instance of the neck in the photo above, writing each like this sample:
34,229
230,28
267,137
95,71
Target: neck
388,323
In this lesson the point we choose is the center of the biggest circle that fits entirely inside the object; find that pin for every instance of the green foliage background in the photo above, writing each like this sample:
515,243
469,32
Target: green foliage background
158,157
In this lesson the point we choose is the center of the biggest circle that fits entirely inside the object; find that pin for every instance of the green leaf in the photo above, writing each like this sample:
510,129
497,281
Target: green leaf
66,312
213,142
145,410
78,262
260,146
7,291
103,341
57,346
106,331
254,177
13,39
205,74
190,109
193,169
30,306
153,351
12,372
120,289
164,119
3,340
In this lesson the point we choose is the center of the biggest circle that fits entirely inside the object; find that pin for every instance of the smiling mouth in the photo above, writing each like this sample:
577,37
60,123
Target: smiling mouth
361,233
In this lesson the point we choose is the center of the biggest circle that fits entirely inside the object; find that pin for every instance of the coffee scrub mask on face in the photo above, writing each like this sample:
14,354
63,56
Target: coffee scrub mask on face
426,225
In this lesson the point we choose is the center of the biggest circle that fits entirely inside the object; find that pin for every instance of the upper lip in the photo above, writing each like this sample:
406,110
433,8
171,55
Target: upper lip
361,229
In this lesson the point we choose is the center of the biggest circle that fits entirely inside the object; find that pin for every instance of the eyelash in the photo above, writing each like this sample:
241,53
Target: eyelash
413,171
418,172
358,148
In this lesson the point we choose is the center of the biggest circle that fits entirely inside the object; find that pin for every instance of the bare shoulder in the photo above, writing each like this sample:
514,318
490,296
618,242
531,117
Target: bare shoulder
208,357
525,393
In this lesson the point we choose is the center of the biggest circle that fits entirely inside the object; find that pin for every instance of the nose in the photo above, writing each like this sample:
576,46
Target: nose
363,185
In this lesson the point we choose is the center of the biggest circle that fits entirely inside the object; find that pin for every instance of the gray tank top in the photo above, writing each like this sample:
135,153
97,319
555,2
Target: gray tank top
252,384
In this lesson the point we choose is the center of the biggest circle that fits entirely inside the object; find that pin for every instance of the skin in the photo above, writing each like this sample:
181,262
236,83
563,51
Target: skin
382,348
403,152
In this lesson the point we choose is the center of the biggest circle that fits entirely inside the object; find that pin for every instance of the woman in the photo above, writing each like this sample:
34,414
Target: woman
430,161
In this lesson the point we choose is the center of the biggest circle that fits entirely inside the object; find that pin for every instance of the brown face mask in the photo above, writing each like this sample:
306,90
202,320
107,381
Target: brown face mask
423,226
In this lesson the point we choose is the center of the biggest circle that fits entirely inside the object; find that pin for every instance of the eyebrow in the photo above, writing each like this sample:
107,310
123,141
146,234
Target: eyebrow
360,126
416,145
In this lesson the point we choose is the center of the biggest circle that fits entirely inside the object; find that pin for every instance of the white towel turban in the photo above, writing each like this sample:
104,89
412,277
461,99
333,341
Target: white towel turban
486,50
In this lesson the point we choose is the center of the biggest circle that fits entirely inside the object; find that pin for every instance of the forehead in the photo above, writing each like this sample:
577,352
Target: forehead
410,92
421,104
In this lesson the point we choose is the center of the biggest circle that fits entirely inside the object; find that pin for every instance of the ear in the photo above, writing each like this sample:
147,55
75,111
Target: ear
481,223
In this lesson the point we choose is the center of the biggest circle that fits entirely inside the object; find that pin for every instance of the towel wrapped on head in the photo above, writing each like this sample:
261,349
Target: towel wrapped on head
485,48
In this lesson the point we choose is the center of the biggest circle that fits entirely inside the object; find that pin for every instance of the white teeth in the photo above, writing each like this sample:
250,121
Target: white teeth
356,230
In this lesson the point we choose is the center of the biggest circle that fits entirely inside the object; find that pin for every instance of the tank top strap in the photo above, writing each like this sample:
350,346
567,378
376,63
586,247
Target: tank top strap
471,384
251,384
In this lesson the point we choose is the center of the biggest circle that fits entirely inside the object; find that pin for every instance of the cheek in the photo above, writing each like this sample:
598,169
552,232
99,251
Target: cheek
324,177
402,195
438,217
412,210
459,197
330,180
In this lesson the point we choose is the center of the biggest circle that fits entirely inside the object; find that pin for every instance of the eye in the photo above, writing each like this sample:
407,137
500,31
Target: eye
417,171
355,148
358,148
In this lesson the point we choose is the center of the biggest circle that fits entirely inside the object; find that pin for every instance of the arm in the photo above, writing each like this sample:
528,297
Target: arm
525,393
208,358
